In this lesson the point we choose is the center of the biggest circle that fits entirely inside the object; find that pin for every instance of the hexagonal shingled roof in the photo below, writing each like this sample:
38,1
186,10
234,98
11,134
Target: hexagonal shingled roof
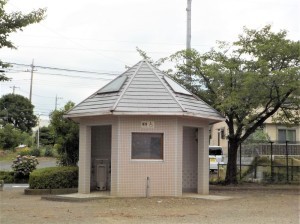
144,90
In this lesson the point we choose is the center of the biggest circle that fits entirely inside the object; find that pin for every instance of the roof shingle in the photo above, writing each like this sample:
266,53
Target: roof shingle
145,91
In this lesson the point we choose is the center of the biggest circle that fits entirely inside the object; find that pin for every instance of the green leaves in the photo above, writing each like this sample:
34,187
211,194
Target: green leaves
66,134
13,22
54,178
18,111
248,81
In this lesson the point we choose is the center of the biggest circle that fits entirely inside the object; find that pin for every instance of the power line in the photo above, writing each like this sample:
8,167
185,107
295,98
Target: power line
128,41
107,50
71,76
38,95
64,69
74,76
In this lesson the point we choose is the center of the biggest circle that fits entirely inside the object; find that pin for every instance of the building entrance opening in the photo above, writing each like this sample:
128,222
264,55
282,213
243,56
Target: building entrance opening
190,159
101,158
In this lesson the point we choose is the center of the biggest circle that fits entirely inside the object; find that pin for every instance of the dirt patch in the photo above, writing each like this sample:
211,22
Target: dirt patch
247,206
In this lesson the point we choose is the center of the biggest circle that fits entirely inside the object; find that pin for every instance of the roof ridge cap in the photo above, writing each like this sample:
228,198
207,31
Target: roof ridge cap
128,84
170,92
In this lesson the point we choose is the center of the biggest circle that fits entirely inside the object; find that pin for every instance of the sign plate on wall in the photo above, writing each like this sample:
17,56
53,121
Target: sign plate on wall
147,124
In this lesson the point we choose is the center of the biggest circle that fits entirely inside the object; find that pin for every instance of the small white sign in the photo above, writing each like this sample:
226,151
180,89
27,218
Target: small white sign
147,124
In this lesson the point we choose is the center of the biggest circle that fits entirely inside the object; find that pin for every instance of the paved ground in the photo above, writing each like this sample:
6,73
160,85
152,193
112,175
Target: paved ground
259,206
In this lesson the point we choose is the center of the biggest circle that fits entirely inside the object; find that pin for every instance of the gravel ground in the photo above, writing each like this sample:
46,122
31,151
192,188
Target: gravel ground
245,206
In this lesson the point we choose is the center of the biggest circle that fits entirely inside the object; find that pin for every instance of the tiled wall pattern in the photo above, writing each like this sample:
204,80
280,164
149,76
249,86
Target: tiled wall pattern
84,159
189,160
161,173
129,177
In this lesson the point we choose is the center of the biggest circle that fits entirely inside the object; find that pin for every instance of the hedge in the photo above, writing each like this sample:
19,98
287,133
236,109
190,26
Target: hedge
54,178
7,176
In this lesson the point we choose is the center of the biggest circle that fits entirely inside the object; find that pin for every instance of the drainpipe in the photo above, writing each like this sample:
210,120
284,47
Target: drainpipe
148,187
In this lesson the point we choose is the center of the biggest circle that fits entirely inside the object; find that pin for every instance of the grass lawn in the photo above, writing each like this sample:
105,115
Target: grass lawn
7,155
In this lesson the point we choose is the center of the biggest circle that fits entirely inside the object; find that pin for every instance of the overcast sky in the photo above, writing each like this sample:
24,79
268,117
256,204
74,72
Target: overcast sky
101,36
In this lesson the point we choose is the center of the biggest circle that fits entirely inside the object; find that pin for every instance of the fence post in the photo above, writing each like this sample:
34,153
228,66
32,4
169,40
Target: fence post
255,166
218,171
240,161
287,161
292,168
271,161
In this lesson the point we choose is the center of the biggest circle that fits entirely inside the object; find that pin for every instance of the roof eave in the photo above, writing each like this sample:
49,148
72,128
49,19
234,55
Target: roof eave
213,119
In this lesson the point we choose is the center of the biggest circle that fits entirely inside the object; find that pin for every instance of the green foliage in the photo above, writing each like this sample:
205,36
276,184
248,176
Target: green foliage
49,151
248,81
66,134
24,165
35,152
24,151
46,136
259,136
7,176
54,177
18,111
11,137
13,22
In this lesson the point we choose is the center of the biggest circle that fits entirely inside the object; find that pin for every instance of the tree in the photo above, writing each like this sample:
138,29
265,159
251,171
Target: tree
259,136
11,137
46,136
18,111
13,22
66,134
248,81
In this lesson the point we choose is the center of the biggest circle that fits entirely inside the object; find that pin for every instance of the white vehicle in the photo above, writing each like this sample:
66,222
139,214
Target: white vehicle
215,157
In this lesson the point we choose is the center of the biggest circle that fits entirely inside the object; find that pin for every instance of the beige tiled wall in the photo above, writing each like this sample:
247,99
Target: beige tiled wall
129,177
84,159
133,173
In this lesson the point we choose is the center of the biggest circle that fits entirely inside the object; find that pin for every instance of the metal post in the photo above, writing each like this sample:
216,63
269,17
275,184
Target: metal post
292,170
188,27
38,133
255,167
218,171
287,161
240,161
219,137
271,161
188,39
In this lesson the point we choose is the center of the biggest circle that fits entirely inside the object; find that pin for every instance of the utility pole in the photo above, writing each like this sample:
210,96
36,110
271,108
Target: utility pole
188,27
31,79
14,87
188,39
57,98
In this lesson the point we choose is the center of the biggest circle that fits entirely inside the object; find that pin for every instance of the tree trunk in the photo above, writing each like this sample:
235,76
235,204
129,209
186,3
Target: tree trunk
231,173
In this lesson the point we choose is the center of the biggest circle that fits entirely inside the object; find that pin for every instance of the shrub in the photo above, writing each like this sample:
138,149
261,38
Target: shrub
35,152
54,177
48,151
24,152
23,165
7,176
